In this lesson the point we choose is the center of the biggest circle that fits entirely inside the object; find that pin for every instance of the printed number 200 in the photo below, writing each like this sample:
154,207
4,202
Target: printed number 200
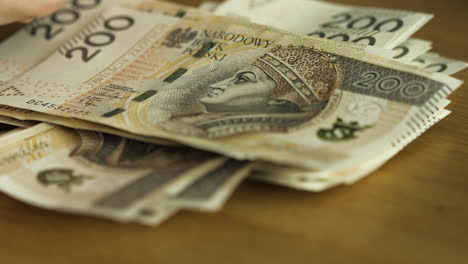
101,38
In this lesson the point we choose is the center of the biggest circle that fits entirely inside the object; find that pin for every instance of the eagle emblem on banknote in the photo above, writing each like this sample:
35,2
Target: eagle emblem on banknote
179,36
65,179
280,90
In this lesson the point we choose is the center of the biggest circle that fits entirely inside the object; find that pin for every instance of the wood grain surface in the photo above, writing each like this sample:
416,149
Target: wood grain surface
412,210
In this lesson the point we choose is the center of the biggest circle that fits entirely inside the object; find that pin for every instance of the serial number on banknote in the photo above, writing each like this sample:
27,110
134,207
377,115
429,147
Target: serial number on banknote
60,108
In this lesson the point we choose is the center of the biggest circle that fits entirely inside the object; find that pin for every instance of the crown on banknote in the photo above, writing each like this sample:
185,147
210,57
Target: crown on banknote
303,75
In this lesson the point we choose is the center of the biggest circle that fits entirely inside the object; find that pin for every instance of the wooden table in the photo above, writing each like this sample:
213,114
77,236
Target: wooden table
412,210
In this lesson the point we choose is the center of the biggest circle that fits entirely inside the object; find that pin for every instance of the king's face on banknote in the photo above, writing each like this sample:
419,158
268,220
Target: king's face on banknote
281,89
248,90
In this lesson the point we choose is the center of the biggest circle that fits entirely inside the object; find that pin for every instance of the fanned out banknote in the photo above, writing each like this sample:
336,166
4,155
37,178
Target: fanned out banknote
156,107
255,93
373,26
408,52
48,33
101,174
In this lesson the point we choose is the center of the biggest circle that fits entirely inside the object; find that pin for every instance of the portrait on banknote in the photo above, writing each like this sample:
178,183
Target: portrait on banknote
279,90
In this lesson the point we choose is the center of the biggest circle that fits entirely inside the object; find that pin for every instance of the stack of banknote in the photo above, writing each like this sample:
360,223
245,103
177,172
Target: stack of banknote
134,110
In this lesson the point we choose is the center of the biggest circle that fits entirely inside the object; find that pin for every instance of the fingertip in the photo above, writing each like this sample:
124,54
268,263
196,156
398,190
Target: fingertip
27,20
47,7
26,10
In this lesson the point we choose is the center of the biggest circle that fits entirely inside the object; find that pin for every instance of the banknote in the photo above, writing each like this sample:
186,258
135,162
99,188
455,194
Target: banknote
373,26
244,91
411,49
46,34
147,6
318,181
6,130
437,63
185,11
209,193
405,52
209,6
29,117
16,122
94,173
156,213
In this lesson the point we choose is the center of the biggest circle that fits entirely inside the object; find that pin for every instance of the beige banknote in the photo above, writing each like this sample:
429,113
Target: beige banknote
248,92
208,193
16,122
43,50
6,130
437,63
321,180
411,49
209,6
405,52
95,173
374,26
284,174
44,35
185,11
28,117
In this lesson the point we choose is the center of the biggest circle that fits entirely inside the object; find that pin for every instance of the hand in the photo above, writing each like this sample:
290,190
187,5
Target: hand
26,10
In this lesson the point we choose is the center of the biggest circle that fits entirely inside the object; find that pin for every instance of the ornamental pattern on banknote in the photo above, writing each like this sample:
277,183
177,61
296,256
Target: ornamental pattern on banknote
281,90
